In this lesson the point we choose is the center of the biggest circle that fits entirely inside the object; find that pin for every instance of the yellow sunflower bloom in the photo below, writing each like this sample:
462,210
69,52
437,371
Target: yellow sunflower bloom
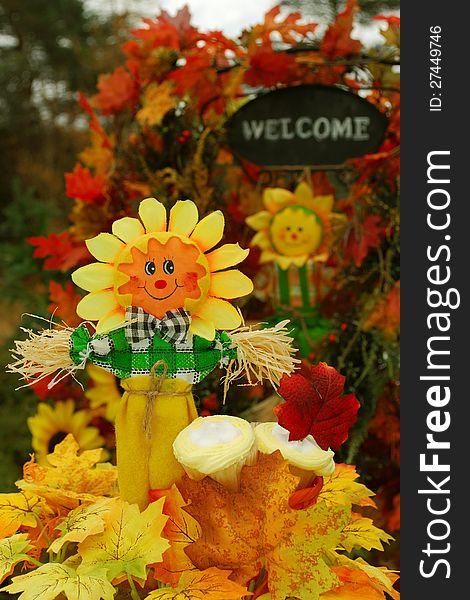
50,425
105,391
294,228
162,264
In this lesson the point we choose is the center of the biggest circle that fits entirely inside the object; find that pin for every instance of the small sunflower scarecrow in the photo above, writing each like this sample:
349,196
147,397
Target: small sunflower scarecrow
159,294
294,234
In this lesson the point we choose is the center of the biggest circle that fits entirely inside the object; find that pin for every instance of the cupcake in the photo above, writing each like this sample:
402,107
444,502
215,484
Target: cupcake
217,447
306,458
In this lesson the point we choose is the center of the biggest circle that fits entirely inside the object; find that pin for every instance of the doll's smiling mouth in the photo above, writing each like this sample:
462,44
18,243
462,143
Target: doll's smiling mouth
163,297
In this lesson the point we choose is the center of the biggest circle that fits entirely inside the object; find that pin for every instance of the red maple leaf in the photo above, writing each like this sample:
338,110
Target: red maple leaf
361,239
62,250
169,32
314,405
337,40
82,185
269,68
117,91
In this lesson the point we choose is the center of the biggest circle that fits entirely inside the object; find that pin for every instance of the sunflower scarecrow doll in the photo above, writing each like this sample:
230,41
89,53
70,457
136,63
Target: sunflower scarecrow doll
294,233
159,296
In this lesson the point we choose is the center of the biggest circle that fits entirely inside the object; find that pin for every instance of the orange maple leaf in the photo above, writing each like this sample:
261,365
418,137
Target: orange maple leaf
64,301
117,91
337,40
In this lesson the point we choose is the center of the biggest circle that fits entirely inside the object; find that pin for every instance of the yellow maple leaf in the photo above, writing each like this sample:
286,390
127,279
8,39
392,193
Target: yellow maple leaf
52,579
157,101
210,584
12,551
72,479
341,488
379,579
20,509
362,532
82,522
256,527
181,529
130,541
98,155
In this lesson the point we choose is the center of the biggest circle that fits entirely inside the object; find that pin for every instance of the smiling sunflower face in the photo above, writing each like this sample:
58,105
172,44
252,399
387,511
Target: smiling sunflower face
294,227
162,264
296,231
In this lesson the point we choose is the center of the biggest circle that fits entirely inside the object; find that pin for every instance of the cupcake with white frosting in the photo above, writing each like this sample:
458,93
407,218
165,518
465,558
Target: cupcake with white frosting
218,446
305,457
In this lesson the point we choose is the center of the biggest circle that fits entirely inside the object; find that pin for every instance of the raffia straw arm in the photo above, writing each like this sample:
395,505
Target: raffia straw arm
42,354
262,354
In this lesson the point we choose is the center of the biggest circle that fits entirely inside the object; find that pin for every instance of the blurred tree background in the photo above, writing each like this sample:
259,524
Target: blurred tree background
48,51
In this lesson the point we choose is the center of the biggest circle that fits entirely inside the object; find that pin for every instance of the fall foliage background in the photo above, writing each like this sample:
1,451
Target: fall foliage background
128,108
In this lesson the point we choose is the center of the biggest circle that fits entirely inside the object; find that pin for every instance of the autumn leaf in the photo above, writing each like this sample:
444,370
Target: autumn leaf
62,250
98,155
168,32
288,28
117,91
363,533
337,40
82,522
341,488
157,101
72,479
130,541
12,551
52,579
255,527
63,302
17,510
268,68
361,581
211,584
385,314
362,238
181,529
82,185
314,405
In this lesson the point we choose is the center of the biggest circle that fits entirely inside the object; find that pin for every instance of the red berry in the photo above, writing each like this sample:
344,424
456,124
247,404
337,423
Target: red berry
332,338
205,413
343,326
210,402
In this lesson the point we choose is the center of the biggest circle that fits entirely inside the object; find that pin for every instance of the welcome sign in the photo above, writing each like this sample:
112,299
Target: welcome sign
307,125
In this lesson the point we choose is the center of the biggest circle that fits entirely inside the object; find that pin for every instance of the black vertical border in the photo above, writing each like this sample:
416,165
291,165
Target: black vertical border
423,131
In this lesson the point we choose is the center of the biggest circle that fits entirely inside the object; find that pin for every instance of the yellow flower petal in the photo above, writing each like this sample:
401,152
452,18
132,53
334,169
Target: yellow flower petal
94,277
114,319
323,203
222,314
261,240
209,231
96,305
128,229
183,217
153,215
227,255
230,284
105,247
303,193
259,220
276,198
202,327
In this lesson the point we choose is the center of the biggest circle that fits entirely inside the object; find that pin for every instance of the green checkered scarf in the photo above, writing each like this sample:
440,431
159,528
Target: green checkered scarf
190,360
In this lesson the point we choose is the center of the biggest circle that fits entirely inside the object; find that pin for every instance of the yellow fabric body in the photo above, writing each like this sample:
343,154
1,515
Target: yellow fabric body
144,464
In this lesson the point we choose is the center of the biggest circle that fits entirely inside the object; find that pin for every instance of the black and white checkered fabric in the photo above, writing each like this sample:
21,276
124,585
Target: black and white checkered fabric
141,326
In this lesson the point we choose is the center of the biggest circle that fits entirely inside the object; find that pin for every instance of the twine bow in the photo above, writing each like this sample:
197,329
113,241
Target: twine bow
156,382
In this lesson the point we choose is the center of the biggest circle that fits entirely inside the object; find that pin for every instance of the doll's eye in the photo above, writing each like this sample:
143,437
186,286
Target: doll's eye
150,267
168,267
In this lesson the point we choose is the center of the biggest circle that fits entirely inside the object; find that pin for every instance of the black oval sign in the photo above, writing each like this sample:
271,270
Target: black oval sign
306,125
